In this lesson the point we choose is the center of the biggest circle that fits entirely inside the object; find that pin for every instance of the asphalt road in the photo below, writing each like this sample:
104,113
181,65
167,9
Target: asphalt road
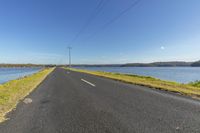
71,102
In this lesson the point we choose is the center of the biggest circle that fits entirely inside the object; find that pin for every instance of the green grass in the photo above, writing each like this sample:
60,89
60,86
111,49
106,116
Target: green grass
14,91
195,84
186,89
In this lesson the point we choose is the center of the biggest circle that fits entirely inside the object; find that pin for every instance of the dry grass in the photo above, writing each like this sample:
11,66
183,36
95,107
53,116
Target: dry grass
14,91
186,89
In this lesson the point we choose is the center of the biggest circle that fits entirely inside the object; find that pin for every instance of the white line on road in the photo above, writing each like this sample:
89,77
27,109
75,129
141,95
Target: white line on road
88,82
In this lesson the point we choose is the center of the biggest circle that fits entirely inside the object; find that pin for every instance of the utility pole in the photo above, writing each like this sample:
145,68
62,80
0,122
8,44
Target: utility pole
69,48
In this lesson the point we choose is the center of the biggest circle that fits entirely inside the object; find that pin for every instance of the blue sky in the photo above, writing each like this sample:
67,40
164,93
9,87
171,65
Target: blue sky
39,31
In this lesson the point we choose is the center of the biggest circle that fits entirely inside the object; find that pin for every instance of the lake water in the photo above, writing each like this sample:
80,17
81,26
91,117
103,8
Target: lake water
7,74
178,74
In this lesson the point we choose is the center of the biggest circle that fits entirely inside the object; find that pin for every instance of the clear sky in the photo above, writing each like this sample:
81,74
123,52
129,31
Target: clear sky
39,31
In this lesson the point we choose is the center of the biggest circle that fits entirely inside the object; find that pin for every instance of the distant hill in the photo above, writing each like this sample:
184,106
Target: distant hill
154,64
196,64
159,64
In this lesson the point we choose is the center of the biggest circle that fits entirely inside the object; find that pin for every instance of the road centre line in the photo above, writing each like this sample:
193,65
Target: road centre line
88,82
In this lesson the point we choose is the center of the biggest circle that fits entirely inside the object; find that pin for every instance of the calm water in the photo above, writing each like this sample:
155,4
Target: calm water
178,74
7,74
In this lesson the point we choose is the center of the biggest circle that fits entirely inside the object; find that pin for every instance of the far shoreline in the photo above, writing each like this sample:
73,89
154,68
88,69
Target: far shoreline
153,64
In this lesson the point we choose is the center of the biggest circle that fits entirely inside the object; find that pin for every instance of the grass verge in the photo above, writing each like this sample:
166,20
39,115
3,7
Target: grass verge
186,89
195,84
14,91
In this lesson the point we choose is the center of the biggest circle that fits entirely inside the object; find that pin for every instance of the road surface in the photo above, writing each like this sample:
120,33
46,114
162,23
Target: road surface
72,102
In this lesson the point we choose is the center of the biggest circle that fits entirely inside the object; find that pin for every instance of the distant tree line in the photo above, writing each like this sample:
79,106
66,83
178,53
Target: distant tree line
26,65
160,64
196,64
154,64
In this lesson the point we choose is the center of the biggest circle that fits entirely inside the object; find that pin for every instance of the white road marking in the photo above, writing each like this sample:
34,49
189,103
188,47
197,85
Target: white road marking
88,82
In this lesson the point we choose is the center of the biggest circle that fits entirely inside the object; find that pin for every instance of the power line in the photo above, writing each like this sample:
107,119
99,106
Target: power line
94,14
96,11
134,4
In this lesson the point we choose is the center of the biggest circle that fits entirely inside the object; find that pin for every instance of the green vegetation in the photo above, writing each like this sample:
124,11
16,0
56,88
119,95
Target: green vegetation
186,89
195,84
196,64
26,65
160,64
14,91
153,64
